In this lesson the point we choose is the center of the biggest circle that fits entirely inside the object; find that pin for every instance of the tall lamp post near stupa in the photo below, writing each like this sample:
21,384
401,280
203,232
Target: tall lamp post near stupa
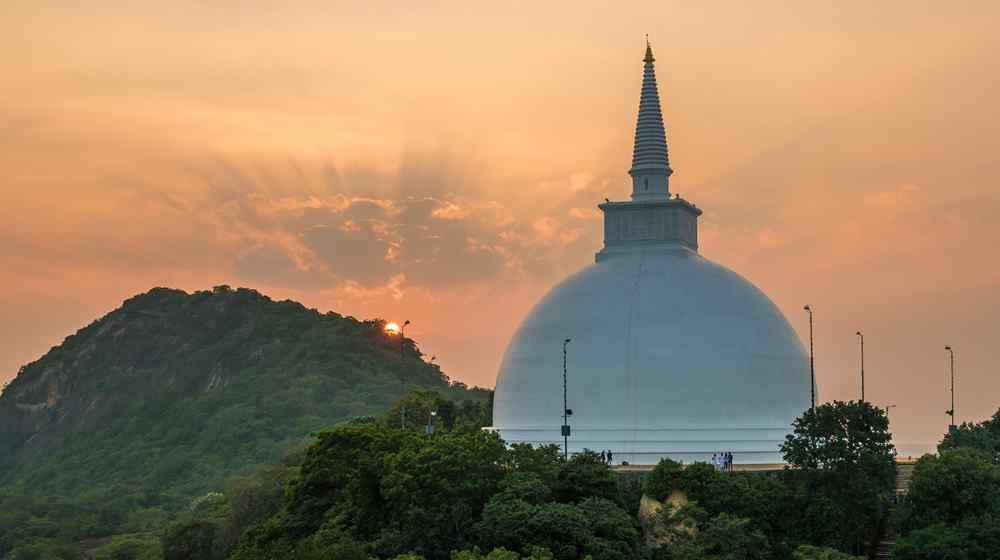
402,378
566,410
951,411
812,361
862,337
397,329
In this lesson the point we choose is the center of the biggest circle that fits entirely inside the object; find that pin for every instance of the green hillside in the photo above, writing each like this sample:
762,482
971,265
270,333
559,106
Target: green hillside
164,398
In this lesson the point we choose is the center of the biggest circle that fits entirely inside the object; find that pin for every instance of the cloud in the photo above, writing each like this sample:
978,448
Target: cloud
769,239
307,223
895,200
585,213
360,254
450,211
271,265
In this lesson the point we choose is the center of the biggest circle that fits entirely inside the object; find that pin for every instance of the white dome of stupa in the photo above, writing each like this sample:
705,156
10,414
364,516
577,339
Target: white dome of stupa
671,355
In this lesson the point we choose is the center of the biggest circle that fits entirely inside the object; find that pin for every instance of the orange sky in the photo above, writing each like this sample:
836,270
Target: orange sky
441,163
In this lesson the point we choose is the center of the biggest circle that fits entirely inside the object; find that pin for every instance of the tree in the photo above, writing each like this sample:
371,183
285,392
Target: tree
696,536
846,473
937,542
253,498
728,537
544,461
523,517
949,487
666,476
196,539
759,497
435,489
585,475
502,554
339,487
984,437
315,549
519,525
614,533
972,539
807,552
418,405
841,435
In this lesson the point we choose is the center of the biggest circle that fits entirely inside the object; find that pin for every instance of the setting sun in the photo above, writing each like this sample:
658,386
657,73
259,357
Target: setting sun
392,328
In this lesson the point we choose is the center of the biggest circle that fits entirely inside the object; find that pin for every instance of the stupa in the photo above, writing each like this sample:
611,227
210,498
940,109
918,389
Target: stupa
671,355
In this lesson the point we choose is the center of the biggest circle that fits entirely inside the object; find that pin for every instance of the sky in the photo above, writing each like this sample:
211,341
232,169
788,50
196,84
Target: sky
441,162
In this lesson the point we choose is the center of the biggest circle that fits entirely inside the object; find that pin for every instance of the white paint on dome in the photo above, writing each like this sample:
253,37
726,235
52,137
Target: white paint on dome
671,355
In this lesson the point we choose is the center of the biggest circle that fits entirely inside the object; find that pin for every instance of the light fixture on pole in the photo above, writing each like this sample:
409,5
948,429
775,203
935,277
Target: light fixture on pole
887,407
566,411
951,411
402,337
430,422
402,379
862,337
812,361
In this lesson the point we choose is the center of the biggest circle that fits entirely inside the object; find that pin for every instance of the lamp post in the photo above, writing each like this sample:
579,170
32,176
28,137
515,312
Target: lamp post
812,361
862,337
887,407
402,379
951,411
402,337
566,410
430,423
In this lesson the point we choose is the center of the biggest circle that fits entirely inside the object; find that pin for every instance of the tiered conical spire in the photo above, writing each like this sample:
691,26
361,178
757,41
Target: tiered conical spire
650,163
651,221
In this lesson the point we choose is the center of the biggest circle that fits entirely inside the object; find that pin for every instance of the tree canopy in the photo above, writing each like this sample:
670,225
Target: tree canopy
952,508
949,487
841,435
400,492
847,473
984,436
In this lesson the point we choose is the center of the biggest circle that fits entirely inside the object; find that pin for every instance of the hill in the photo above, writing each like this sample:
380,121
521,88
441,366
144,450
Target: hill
163,398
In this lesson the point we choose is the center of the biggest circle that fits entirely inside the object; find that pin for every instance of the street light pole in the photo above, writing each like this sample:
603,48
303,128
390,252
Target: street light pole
430,422
566,411
402,379
862,337
812,361
951,412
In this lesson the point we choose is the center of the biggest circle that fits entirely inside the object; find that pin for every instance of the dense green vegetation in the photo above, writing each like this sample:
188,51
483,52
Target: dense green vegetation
366,489
836,498
952,510
388,492
119,429
984,436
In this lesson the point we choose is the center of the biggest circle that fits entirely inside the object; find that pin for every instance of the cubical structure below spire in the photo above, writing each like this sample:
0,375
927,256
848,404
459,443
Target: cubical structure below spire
650,162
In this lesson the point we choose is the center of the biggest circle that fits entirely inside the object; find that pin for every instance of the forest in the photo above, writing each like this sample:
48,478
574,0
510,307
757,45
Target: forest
370,489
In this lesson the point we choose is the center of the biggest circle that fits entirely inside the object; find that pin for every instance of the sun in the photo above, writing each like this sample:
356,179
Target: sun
392,328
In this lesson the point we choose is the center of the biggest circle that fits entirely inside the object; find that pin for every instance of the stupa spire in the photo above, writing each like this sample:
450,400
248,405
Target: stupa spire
650,163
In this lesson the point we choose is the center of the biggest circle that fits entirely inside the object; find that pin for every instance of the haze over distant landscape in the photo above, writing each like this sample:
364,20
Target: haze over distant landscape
433,165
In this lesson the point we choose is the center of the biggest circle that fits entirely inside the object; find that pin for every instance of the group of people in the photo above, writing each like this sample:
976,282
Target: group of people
606,457
723,461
